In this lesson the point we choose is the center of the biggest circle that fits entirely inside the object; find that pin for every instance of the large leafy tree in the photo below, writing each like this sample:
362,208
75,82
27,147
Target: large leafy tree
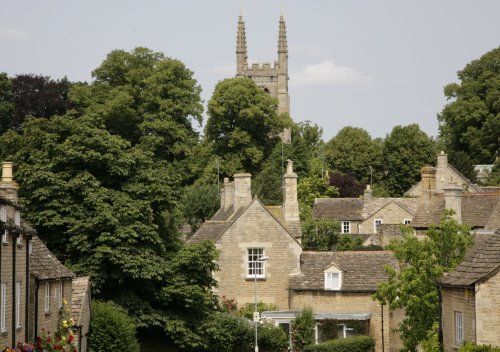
6,105
422,262
352,151
243,126
406,150
471,121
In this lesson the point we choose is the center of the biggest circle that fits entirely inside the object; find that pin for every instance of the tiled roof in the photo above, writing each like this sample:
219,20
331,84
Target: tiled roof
477,209
79,291
44,265
223,214
358,208
481,262
362,270
210,230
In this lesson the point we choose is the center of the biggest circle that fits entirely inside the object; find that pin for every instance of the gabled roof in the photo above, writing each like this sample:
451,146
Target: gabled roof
44,265
477,209
479,264
361,270
358,208
80,296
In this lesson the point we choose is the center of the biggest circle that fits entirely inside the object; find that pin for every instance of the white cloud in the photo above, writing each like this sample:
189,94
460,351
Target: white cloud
327,73
224,70
12,33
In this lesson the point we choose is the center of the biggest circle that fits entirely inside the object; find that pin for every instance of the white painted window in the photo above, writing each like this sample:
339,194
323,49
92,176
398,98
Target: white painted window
19,240
2,307
47,297
332,281
346,227
255,268
407,221
59,294
18,304
3,217
17,218
459,328
376,224
344,331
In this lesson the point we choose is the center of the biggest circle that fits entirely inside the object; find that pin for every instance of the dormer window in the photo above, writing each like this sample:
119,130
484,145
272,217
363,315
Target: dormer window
333,278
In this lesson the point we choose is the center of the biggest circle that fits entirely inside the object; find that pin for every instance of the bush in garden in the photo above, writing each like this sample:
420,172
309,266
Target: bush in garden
111,329
349,344
272,338
303,330
470,347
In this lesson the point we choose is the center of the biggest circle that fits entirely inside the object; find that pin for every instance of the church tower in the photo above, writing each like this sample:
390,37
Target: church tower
271,78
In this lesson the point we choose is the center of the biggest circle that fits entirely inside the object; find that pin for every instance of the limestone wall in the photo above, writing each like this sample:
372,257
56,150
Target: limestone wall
488,311
457,300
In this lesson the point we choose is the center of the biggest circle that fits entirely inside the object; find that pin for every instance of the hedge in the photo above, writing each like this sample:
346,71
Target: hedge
469,347
351,344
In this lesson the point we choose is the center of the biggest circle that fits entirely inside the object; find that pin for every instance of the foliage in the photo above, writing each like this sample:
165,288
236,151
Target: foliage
348,243
272,338
347,185
6,104
63,338
421,263
471,121
310,188
243,126
470,347
199,202
352,151
403,160
350,344
320,234
431,343
494,177
303,330
111,329
227,333
247,310
464,163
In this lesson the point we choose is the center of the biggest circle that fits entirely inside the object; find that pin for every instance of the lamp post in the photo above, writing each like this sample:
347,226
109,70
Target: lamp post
256,312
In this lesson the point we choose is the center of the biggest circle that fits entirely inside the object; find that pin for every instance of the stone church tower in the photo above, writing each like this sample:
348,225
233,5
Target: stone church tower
272,78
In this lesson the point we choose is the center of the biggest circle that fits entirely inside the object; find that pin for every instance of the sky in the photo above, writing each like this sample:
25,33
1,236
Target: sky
373,64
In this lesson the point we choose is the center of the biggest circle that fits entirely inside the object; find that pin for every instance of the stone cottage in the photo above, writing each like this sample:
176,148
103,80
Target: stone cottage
470,295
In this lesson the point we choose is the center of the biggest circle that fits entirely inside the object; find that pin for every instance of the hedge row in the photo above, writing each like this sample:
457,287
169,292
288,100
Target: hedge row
350,344
469,347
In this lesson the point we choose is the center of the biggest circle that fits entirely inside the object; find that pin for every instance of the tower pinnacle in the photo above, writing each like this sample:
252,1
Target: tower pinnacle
241,47
282,41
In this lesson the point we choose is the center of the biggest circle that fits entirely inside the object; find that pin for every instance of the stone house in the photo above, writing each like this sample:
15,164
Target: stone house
365,215
245,230
443,174
81,310
14,261
34,283
470,297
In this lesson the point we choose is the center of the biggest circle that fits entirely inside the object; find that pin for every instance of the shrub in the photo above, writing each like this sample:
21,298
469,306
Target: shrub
247,310
111,329
272,338
470,347
350,344
303,330
228,333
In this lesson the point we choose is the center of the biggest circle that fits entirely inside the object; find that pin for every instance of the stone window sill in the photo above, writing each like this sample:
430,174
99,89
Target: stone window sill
251,278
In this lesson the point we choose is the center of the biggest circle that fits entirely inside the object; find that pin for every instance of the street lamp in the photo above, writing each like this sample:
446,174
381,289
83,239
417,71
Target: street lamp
256,316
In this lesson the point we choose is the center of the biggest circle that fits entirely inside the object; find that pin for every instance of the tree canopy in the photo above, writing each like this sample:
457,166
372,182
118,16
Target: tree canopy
471,121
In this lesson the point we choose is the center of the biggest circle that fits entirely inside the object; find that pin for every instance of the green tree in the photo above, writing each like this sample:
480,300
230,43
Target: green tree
243,126
228,333
471,121
6,104
422,262
352,151
111,329
199,202
463,162
404,159
303,330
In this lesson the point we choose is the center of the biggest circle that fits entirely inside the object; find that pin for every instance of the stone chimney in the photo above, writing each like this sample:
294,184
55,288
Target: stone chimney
242,190
227,199
290,202
368,195
8,187
428,174
453,200
442,160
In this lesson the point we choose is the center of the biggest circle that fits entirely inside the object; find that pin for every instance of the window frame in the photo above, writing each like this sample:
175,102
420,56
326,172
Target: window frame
258,269
3,217
459,328
375,227
59,294
18,305
329,282
17,218
46,307
345,223
406,221
3,306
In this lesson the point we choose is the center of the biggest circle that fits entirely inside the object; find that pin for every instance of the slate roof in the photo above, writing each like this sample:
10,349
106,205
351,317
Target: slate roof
362,270
358,208
79,291
43,263
477,209
479,264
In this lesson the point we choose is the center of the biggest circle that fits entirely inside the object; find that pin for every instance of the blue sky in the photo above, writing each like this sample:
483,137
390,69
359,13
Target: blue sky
366,63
